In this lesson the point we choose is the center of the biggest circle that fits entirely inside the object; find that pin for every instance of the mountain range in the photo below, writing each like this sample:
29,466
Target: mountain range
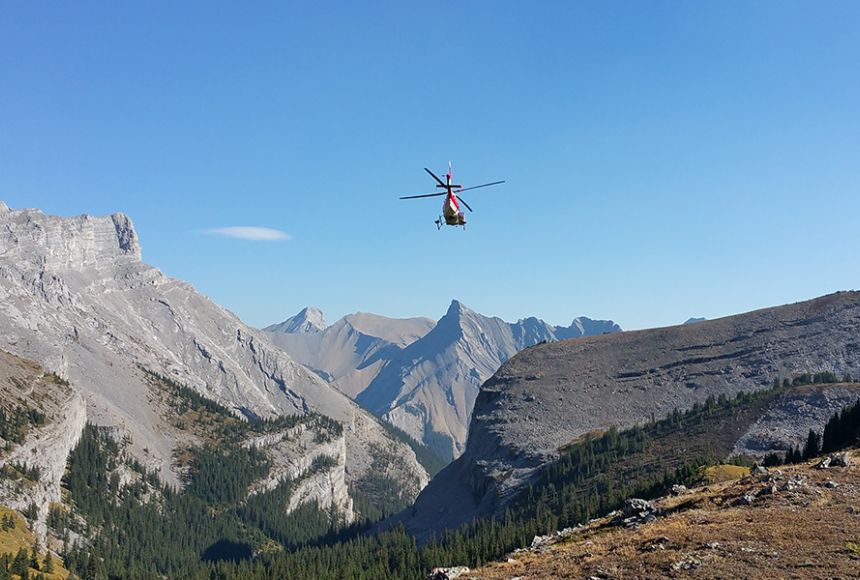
420,376
550,395
147,432
76,299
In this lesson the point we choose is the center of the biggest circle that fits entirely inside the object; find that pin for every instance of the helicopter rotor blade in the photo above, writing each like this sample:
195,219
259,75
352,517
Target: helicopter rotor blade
463,201
480,186
425,195
442,183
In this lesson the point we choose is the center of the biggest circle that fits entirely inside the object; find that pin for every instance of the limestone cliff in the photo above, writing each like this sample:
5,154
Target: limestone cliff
76,297
33,459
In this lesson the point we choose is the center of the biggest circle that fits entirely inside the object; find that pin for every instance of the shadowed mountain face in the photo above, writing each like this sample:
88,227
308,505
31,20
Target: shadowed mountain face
548,395
421,378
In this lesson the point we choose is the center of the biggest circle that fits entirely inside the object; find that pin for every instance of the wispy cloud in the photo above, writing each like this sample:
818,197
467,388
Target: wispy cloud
253,233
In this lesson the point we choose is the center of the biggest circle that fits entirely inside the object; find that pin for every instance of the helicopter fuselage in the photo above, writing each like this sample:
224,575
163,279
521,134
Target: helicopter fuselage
451,211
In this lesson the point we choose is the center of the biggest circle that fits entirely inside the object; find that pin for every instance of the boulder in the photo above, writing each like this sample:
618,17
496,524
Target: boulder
636,506
447,573
839,460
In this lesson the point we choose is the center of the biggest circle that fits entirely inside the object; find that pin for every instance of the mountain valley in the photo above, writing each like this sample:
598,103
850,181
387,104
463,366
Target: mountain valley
147,431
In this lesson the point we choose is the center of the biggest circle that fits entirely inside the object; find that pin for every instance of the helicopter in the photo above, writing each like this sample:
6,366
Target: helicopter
451,213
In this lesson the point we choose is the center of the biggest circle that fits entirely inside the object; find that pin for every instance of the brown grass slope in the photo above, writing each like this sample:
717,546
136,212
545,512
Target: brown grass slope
810,531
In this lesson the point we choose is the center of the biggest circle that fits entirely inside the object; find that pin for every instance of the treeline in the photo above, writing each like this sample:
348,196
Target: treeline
823,378
591,477
580,485
139,532
571,490
230,427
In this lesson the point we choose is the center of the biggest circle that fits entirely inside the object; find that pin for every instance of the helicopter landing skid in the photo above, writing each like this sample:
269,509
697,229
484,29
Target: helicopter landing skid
440,221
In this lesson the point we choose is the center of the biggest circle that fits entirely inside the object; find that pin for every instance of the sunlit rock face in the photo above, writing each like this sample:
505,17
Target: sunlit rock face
76,297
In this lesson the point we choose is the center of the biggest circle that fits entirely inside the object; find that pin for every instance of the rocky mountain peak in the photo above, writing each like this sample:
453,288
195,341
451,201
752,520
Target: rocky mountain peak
457,314
309,320
457,308
63,243
458,323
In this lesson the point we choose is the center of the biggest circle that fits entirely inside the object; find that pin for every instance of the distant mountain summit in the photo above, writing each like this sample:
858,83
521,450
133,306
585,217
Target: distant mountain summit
420,376
351,351
308,321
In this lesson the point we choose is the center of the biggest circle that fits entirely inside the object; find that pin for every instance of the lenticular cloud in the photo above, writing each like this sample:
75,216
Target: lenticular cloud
252,233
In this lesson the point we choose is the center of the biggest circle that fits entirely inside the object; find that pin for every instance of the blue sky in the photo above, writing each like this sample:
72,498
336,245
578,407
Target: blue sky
663,159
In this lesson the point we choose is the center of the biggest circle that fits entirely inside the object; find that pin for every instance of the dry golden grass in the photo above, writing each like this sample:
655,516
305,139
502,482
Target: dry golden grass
20,537
810,532
725,472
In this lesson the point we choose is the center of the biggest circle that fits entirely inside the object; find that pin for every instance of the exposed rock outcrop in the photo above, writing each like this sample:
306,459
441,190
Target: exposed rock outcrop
46,446
295,454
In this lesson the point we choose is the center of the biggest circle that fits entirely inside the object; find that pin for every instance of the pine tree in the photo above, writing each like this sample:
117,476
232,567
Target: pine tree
34,557
48,565
4,567
20,563
772,460
813,445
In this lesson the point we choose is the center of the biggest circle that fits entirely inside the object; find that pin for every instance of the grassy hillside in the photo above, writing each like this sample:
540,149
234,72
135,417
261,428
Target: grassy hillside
809,529
15,537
